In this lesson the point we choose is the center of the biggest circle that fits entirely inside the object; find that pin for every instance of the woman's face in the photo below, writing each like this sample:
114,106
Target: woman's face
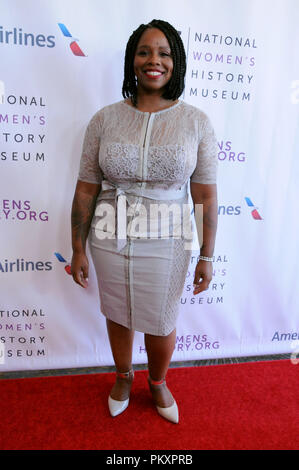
153,54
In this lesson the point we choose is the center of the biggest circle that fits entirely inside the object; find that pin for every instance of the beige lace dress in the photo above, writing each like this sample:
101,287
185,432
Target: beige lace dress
140,233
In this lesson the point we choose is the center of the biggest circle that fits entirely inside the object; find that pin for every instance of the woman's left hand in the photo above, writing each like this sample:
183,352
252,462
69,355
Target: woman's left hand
203,276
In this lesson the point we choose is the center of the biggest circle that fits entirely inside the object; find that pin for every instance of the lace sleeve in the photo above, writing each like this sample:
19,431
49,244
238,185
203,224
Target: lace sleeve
207,154
89,170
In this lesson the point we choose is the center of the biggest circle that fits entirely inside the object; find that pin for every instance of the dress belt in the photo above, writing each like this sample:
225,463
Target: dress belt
158,194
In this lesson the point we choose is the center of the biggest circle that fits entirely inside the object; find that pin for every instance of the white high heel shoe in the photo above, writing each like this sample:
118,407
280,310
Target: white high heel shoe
171,413
116,407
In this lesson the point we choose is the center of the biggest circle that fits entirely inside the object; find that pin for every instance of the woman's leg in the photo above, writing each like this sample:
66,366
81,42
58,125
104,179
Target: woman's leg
121,343
159,351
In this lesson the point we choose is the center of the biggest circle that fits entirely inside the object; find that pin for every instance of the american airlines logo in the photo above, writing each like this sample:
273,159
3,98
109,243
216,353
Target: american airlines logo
67,265
76,50
254,210
16,36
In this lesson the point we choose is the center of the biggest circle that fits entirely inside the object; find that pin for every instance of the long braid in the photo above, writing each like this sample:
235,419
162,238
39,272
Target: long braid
174,88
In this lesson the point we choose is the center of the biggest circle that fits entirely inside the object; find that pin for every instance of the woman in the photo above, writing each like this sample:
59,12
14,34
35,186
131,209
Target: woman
144,148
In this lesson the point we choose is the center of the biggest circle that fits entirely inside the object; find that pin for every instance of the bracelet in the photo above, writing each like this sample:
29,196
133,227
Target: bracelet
205,258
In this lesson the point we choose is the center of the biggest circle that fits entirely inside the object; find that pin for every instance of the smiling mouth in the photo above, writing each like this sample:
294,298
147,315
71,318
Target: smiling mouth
154,74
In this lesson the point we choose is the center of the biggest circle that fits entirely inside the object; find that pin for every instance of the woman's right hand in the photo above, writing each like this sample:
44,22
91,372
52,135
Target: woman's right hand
79,268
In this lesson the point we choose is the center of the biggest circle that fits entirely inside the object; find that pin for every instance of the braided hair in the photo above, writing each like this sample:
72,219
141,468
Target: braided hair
175,86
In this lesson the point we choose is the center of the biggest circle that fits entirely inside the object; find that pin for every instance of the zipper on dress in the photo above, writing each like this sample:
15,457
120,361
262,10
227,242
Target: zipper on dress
129,285
143,146
129,240
142,168
145,134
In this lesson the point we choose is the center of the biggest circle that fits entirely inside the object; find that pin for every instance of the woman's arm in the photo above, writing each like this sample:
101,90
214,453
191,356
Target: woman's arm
82,212
205,194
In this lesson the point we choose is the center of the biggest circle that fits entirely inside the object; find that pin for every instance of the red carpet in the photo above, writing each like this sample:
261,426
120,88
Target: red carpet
236,406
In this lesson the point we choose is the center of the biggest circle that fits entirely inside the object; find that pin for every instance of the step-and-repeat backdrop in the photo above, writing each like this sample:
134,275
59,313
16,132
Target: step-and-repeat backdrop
63,61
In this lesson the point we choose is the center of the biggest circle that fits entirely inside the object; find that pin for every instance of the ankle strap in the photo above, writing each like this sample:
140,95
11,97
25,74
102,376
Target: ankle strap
156,382
125,375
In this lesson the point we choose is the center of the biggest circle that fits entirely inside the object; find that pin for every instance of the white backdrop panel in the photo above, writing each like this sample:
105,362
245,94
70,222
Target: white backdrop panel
250,92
